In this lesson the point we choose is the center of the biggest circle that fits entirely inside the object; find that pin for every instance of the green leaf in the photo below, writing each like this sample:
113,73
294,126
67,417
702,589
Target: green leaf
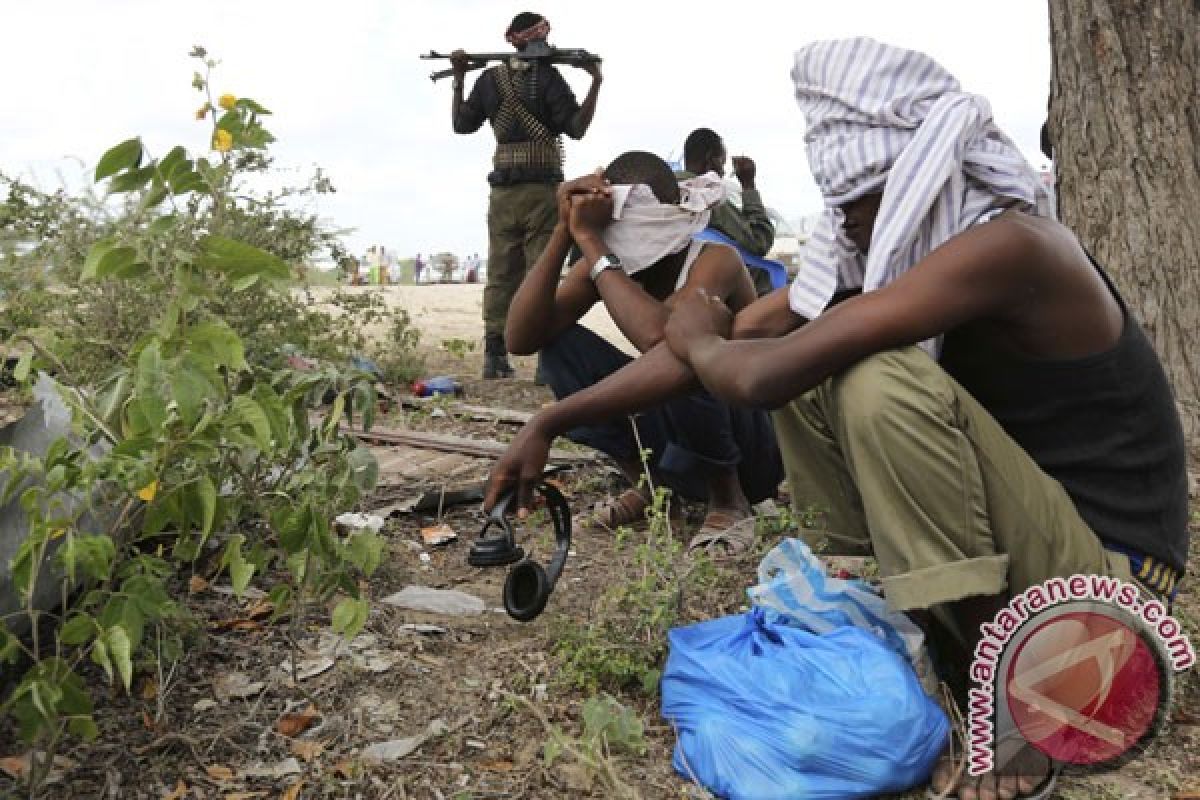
115,260
206,494
10,647
238,259
189,389
77,629
95,253
364,469
121,651
349,616
21,370
365,550
246,411
126,155
83,727
93,553
294,529
132,180
247,103
101,659
220,343
240,570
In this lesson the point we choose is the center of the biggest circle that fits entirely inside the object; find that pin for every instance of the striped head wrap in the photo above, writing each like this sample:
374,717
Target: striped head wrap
519,39
884,118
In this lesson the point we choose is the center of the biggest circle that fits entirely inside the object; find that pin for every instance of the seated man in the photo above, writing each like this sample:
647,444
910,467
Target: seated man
749,226
1044,442
635,264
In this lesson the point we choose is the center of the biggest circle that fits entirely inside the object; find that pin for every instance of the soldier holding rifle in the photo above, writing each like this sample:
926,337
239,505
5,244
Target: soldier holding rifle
530,106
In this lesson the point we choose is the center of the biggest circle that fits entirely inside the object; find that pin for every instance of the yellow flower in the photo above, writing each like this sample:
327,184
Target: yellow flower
202,111
147,492
222,141
227,102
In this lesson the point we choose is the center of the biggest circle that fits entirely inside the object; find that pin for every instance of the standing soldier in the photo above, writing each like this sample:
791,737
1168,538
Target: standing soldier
530,106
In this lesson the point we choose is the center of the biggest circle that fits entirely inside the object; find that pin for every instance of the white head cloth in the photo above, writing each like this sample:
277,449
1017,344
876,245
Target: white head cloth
644,230
881,116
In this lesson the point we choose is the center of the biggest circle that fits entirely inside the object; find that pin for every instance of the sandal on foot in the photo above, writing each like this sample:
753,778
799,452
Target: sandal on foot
627,508
724,536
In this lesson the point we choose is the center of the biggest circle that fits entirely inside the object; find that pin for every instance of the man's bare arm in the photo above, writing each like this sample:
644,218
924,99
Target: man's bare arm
542,308
981,273
643,383
583,118
769,317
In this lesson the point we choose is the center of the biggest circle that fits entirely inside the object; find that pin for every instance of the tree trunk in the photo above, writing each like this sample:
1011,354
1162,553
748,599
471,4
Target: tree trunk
1125,124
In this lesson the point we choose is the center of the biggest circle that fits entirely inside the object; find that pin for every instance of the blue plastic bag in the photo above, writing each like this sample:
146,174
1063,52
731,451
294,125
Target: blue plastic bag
792,581
766,710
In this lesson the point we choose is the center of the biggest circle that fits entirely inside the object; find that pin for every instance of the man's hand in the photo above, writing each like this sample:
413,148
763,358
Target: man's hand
520,468
458,63
590,214
745,170
696,314
595,183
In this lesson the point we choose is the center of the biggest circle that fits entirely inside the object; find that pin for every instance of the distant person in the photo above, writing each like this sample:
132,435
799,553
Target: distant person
473,269
383,266
749,226
529,105
418,268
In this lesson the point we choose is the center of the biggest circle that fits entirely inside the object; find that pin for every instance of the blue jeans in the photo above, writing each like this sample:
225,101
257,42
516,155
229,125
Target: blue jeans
689,436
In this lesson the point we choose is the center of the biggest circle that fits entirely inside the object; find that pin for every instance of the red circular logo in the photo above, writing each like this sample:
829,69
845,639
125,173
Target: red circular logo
1084,687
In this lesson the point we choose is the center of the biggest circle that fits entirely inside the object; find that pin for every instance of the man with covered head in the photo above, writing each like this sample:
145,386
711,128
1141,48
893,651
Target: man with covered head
958,385
635,226
530,106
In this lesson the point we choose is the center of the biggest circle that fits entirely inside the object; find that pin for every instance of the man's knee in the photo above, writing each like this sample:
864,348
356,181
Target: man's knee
889,388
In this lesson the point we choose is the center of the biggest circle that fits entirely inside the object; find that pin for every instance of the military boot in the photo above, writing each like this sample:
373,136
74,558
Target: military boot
495,358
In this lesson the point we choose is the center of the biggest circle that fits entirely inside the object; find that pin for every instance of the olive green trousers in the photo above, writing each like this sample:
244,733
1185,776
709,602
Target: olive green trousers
520,220
906,466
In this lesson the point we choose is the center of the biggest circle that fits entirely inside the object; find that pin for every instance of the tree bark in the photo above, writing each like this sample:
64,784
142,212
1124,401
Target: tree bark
1125,125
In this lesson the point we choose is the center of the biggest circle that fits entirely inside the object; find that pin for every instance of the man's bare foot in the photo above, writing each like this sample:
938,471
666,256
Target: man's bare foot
1029,775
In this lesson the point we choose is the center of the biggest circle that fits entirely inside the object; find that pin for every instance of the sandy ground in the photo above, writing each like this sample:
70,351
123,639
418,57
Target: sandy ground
454,311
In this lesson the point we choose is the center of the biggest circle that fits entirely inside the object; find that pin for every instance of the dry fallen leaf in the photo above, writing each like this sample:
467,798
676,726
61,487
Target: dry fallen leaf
292,792
345,768
148,721
149,689
15,766
259,609
220,773
499,765
244,795
196,584
297,722
236,685
178,793
438,534
308,749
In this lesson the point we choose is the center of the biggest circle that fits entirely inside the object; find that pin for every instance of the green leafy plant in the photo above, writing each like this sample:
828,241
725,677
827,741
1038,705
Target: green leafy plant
623,644
184,455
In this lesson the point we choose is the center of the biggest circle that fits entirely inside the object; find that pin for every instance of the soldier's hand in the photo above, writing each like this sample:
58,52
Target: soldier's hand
745,170
592,68
459,62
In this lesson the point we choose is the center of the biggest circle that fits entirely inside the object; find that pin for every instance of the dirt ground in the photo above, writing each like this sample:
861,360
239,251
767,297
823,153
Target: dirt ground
480,693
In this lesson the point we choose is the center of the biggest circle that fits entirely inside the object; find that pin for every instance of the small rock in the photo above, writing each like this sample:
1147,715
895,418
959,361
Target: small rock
438,601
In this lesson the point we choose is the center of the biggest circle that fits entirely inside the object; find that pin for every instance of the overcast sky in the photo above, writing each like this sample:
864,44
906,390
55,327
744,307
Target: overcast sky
349,93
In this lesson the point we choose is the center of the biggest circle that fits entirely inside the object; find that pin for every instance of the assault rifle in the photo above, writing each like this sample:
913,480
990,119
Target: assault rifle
534,51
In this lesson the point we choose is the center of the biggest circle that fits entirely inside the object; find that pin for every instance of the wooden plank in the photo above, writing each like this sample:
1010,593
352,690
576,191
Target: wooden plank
483,448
